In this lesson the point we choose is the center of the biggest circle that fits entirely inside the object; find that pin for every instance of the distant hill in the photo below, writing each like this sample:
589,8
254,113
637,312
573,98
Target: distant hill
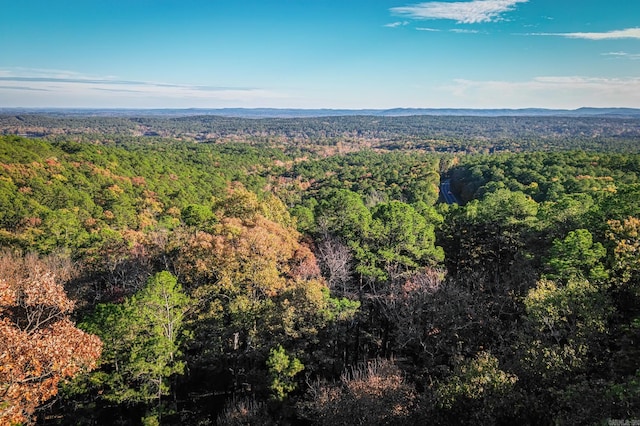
293,113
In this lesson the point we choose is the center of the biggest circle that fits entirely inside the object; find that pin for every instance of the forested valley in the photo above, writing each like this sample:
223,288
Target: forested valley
209,270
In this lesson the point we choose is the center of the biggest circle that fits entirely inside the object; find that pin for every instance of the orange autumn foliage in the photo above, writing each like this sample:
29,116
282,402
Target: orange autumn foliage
39,345
626,236
242,255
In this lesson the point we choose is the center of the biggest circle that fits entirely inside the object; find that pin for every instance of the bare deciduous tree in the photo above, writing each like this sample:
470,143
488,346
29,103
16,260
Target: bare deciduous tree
336,262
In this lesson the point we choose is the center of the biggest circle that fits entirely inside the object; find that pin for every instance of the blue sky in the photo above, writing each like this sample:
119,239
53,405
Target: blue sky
320,53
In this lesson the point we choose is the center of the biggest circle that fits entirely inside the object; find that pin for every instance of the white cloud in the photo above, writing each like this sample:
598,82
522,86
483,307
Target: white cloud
624,55
615,54
549,92
469,12
397,24
461,31
27,87
433,30
629,33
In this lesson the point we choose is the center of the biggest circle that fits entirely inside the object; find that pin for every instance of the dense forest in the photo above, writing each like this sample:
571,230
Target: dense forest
210,270
330,135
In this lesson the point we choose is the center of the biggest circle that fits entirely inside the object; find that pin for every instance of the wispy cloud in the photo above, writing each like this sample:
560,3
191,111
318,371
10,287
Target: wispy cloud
90,81
557,91
469,12
454,30
629,33
397,24
43,72
79,89
66,80
23,88
105,89
462,31
625,55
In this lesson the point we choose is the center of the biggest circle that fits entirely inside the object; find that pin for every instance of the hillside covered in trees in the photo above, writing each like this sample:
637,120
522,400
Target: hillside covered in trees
329,135
210,270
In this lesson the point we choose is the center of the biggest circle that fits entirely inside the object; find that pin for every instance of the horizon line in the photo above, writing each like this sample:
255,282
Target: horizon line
307,109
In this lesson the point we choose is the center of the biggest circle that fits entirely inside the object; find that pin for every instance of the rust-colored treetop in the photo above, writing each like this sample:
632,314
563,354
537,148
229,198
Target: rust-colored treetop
39,345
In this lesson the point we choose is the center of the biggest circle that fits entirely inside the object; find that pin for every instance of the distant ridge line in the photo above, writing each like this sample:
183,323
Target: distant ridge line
311,113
